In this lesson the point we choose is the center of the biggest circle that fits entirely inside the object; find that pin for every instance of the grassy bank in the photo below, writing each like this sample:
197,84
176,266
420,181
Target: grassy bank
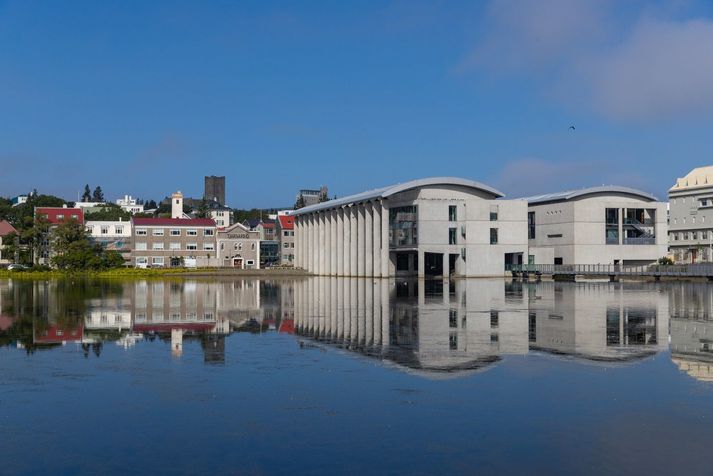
151,273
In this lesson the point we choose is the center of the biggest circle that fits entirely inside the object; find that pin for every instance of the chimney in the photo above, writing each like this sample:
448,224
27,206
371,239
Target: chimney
177,205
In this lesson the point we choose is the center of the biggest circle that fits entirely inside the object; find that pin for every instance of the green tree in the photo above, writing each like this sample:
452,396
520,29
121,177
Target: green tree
202,210
108,212
87,195
98,195
75,251
300,202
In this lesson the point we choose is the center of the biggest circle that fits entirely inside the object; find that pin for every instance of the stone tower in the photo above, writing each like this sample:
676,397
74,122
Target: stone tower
214,189
177,205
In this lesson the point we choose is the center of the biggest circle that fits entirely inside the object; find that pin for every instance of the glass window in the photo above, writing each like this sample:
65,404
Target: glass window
403,226
208,246
192,232
140,246
452,233
192,246
208,232
175,232
530,225
104,230
452,212
119,229
157,260
493,236
141,231
157,246
174,246
158,232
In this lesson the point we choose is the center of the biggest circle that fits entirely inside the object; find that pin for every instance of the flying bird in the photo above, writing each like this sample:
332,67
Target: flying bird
572,127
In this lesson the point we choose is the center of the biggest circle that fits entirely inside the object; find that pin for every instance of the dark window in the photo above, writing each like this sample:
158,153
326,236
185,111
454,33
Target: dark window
530,225
493,216
493,236
494,319
452,236
558,260
453,318
401,261
452,213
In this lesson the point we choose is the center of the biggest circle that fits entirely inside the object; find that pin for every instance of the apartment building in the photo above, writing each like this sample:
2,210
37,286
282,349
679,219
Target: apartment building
285,231
691,217
112,235
238,247
171,242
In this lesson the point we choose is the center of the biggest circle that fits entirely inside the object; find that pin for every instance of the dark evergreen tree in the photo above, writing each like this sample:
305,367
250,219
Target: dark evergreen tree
98,195
87,195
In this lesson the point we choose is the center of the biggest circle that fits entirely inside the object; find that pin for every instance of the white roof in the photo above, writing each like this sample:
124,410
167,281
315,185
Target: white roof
601,190
386,192
698,177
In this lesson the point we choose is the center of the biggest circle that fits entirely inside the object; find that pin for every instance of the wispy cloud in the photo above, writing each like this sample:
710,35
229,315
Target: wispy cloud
622,66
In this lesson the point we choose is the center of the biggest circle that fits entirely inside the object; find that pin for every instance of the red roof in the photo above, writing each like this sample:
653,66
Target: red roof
6,228
173,222
268,225
56,215
287,222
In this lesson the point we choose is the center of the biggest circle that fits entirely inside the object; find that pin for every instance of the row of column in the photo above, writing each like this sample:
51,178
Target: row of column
352,240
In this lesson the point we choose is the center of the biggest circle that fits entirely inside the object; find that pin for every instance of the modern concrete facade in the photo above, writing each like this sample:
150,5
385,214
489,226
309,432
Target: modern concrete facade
435,226
238,247
597,225
691,217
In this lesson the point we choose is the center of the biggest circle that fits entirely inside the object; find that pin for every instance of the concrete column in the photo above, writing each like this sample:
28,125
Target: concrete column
385,260
421,264
335,243
327,244
313,245
320,244
368,240
445,267
353,241
347,245
340,242
308,243
361,250
376,234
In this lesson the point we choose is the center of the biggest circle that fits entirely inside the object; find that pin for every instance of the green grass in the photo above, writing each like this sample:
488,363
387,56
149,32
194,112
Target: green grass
111,273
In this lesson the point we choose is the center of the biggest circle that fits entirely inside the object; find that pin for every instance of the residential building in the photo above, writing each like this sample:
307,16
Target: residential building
285,230
130,204
435,226
691,217
171,242
18,200
214,189
54,216
596,225
238,247
90,206
5,229
112,235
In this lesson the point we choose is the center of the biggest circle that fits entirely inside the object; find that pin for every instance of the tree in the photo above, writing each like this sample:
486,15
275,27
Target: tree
300,202
108,212
75,251
98,195
151,205
87,195
202,210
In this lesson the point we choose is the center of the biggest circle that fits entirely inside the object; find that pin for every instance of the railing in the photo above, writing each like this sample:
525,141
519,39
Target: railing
634,221
611,240
640,240
700,270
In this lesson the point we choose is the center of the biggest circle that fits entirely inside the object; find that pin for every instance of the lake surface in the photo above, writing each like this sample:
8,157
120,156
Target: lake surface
354,376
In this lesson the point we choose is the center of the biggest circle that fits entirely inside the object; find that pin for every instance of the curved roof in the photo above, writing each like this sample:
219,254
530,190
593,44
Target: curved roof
385,192
601,190
698,177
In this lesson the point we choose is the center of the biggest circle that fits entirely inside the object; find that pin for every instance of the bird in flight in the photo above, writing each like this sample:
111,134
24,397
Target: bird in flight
571,128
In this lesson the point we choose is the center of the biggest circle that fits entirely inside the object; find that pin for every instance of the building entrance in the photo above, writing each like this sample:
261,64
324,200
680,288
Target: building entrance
433,263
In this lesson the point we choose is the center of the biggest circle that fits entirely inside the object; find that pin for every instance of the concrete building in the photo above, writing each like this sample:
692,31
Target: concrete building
238,247
54,216
434,226
285,230
214,189
691,217
5,229
112,235
308,197
170,242
130,204
597,225
220,214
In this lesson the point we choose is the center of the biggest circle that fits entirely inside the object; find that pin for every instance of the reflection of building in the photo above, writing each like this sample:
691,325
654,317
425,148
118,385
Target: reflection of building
691,306
597,321
597,225
436,226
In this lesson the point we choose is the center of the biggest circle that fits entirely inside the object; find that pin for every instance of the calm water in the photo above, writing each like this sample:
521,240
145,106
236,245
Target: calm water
343,376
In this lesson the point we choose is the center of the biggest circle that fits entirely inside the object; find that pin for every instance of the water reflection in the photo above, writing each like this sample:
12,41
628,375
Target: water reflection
436,329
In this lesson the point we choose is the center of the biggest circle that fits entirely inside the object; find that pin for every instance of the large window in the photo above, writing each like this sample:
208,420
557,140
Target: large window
403,226
452,212
530,225
493,236
452,233
612,226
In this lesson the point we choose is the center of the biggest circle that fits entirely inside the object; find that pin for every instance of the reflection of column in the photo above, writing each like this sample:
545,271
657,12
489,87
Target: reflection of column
340,242
347,310
385,313
376,289
333,301
385,265
340,308
353,240
327,319
322,308
368,240
361,249
369,312
354,317
361,310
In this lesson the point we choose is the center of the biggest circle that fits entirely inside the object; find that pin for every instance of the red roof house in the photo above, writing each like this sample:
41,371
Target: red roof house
6,228
287,222
57,215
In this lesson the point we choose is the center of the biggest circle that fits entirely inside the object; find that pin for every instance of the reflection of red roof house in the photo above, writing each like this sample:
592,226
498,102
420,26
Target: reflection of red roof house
55,335
6,228
173,222
287,326
57,215
5,322
287,222
186,326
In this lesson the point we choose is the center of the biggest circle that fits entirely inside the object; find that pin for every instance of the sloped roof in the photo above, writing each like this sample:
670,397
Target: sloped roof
601,190
385,192
6,228
287,222
698,177
173,221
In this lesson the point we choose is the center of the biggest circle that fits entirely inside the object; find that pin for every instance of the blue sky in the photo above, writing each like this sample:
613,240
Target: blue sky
148,97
